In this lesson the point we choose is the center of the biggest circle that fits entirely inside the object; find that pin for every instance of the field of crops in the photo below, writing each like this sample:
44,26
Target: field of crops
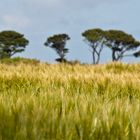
69,102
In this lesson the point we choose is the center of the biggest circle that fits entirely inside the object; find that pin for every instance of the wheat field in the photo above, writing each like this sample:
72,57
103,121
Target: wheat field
69,102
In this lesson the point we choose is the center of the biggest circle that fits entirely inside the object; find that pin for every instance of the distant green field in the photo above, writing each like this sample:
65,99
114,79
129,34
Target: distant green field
69,102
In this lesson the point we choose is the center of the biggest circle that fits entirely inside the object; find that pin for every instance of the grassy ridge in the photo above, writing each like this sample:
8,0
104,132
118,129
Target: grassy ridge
66,102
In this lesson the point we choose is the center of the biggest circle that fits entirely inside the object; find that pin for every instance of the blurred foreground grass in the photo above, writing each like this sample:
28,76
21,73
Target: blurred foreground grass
69,102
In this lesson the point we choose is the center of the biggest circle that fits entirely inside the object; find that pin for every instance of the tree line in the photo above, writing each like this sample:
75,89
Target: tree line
119,42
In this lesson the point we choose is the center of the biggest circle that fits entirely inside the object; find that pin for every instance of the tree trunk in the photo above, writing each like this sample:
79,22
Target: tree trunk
98,58
93,55
113,56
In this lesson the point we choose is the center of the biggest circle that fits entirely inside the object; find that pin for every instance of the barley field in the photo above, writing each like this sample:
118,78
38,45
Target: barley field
69,102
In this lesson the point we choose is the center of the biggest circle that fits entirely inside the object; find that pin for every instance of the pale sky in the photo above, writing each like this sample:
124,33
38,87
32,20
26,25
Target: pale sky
38,19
